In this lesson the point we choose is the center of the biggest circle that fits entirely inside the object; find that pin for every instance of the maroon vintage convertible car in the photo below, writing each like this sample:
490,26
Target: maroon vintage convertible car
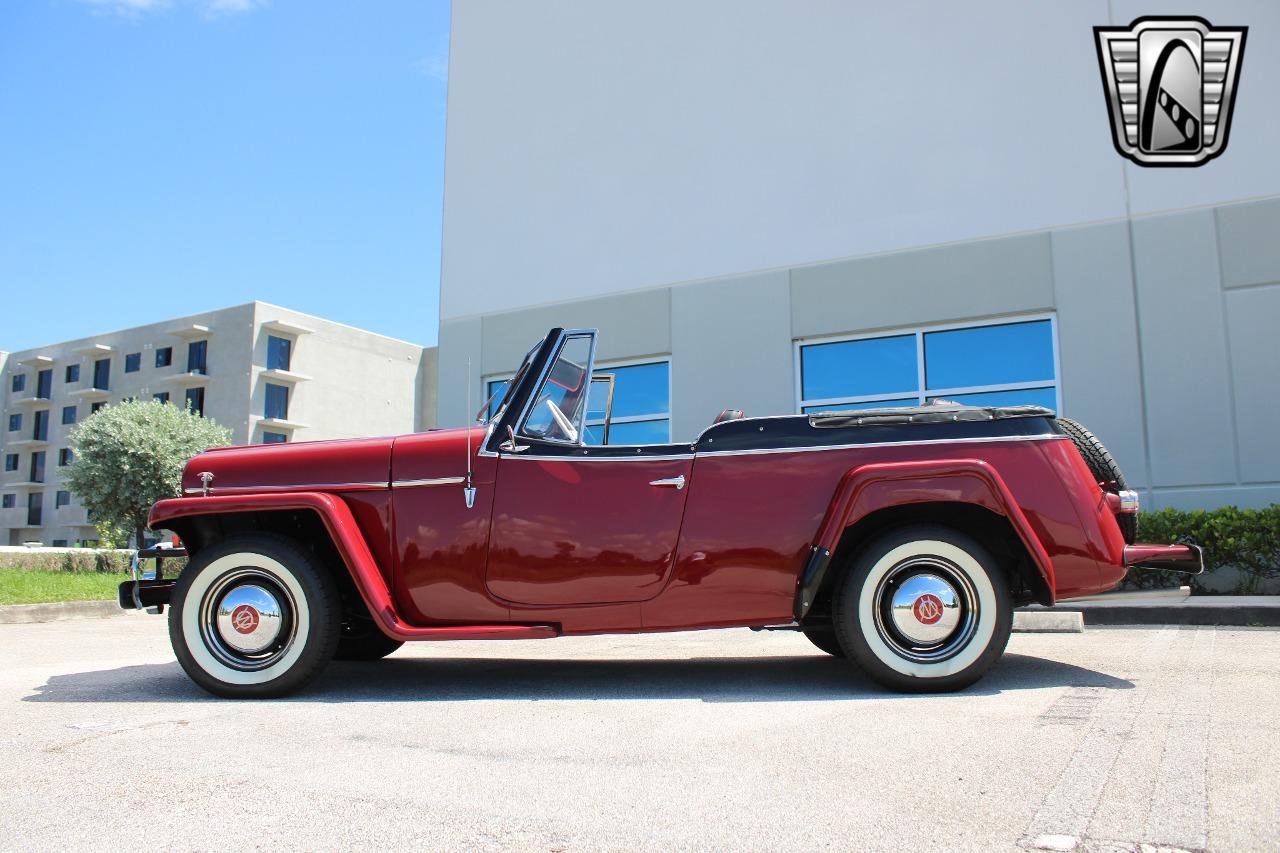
900,539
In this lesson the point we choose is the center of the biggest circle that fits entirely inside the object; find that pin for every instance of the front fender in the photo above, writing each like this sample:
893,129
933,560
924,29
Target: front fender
351,546
868,488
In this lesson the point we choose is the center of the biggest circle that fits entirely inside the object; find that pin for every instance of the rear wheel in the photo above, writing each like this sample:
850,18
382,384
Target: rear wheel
824,637
924,608
254,616
1104,468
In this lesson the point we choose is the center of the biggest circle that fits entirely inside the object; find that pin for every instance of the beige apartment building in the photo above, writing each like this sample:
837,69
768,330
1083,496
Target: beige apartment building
267,373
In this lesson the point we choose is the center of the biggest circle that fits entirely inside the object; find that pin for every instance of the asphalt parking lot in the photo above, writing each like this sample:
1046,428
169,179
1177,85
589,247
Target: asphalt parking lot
723,740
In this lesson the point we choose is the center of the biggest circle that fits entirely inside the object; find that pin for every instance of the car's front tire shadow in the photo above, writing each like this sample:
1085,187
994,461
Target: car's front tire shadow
787,678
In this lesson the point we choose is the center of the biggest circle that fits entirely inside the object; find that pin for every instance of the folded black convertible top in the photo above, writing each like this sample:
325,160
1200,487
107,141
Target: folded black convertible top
931,413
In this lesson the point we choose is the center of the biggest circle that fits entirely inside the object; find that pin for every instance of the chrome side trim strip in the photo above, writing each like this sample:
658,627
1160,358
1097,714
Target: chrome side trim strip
433,481
851,446
637,458
292,487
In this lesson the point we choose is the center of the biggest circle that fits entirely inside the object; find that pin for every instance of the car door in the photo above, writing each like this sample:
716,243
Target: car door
586,530
576,524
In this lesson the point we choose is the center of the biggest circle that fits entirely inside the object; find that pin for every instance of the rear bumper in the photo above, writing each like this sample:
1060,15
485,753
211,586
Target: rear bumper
1185,558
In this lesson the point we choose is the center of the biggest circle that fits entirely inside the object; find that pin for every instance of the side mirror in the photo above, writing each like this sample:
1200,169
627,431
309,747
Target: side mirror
510,446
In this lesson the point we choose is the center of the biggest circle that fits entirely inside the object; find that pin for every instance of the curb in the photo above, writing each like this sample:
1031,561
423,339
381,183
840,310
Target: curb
21,614
1048,622
1182,614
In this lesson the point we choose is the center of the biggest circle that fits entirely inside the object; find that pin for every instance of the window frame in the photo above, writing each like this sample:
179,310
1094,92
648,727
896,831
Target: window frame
606,367
134,359
167,353
921,392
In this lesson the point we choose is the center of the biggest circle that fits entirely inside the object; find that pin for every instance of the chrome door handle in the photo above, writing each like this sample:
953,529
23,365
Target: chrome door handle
677,482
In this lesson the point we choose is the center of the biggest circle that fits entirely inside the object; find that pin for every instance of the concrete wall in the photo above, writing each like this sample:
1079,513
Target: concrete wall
600,148
1166,335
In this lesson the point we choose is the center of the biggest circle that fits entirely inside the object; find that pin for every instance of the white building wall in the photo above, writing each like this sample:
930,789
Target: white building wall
601,147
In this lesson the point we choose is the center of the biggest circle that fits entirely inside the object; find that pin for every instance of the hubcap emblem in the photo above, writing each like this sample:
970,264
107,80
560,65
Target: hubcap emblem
244,619
927,609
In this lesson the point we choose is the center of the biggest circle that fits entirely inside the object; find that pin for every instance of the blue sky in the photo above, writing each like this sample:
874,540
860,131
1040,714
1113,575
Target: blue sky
163,158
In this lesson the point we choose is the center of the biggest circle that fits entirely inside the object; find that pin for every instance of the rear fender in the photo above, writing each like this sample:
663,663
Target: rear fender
869,488
350,544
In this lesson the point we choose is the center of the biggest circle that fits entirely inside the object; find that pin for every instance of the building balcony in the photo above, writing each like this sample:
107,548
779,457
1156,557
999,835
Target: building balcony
90,393
286,376
187,379
27,443
72,516
283,327
13,517
25,400
25,485
190,331
277,424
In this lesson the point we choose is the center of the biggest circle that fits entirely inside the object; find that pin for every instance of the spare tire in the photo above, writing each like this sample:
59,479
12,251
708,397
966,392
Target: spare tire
1104,469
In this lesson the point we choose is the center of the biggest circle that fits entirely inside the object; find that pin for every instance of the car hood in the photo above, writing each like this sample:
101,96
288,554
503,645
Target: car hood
360,463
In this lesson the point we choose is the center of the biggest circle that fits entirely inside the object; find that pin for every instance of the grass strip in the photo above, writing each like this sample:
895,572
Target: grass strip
21,586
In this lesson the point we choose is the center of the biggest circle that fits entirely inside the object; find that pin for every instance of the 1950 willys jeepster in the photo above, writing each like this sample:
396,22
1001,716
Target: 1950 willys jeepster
900,539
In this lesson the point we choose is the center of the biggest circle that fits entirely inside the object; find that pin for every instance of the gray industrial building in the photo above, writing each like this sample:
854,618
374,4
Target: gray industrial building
786,207
267,373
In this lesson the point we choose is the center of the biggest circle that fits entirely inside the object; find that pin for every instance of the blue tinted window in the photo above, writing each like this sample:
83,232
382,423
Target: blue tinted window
277,402
161,396
859,368
496,389
1046,397
198,357
636,432
44,383
68,414
989,355
19,381
274,437
102,374
15,422
278,353
11,462
164,356
73,373
874,404
642,389
133,362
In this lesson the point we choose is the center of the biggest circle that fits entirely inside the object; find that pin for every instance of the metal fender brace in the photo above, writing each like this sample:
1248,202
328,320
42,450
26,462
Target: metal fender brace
868,488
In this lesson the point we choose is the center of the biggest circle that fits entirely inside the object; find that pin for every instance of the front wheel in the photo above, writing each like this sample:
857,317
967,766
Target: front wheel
254,616
924,609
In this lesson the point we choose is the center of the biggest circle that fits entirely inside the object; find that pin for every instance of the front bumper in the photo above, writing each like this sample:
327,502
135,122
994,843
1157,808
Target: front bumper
149,590
1186,558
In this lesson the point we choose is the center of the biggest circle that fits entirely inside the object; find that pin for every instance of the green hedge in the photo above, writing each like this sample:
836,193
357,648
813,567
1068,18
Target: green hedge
1244,540
72,560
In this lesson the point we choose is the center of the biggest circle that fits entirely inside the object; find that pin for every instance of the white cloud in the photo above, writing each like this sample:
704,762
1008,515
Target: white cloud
128,8
209,8
435,66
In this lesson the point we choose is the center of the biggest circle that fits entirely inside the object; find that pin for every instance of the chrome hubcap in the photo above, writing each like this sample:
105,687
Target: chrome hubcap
926,609
247,619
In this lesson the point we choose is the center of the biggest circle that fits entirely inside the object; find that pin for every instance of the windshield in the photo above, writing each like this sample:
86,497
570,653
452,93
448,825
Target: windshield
561,406
493,406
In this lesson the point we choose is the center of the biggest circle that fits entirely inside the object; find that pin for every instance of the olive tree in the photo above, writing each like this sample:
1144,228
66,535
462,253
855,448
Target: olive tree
130,455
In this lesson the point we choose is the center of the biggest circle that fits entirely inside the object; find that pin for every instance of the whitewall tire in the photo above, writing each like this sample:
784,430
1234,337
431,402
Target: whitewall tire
924,608
254,616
